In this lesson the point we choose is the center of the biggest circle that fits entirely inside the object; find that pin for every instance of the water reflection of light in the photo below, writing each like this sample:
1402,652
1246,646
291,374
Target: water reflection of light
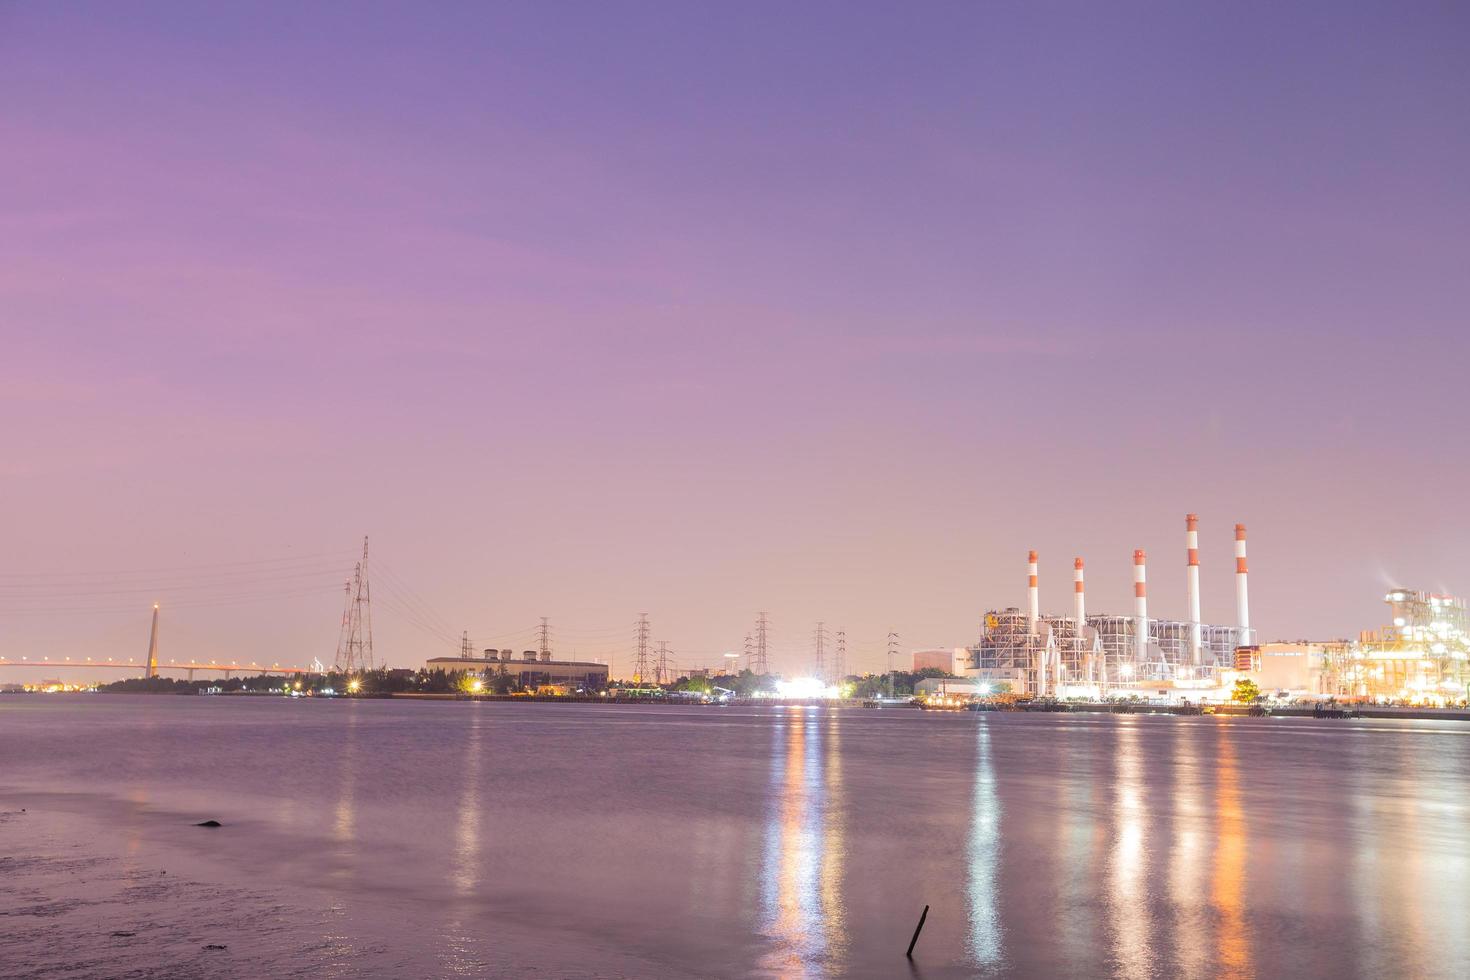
339,946
1076,873
1187,857
1127,901
344,815
460,955
1391,895
467,826
834,846
1227,891
984,854
1437,887
802,870
133,829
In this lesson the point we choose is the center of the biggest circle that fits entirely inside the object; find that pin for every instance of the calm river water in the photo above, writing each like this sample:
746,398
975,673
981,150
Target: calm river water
402,839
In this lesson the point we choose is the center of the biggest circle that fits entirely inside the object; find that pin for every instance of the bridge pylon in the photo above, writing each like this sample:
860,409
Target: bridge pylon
151,670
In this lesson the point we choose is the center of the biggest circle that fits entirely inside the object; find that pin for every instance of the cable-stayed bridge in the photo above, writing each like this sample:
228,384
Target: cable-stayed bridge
188,667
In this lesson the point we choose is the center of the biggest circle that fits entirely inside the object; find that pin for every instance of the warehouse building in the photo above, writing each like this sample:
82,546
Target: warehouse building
529,670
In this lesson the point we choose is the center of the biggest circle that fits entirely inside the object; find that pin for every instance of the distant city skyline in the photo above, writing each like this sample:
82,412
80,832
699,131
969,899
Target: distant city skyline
828,310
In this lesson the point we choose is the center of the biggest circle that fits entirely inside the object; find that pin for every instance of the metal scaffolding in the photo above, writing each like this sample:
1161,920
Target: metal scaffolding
1054,655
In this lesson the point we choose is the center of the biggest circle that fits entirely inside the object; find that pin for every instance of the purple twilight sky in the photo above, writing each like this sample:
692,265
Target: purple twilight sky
831,310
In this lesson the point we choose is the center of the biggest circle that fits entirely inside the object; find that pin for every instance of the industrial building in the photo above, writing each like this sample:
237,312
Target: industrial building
945,659
952,687
1299,669
1093,655
1421,656
530,670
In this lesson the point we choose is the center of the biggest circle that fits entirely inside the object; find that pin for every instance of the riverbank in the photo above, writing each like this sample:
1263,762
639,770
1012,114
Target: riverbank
1334,711
1322,711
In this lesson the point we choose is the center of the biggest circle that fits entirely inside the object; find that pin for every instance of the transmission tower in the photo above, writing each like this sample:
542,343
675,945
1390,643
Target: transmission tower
759,665
466,649
892,649
640,665
749,652
355,642
839,658
662,672
543,638
819,670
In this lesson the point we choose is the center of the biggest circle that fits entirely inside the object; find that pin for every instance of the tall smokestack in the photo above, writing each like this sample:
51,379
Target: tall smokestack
1033,594
1080,612
1242,596
1191,543
1140,610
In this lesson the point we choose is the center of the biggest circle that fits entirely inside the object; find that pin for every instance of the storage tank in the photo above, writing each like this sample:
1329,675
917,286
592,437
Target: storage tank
528,654
545,656
506,654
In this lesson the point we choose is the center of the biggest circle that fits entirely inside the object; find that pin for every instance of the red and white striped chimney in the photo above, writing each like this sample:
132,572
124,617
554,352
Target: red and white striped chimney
1080,614
1081,606
1033,594
1191,541
1242,595
1140,610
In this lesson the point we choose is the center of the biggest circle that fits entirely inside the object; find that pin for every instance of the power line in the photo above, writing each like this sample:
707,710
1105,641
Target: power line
417,600
332,556
409,616
195,602
55,591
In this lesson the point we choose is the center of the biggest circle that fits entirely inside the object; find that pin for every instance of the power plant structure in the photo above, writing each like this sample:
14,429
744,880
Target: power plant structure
1421,656
1089,655
534,668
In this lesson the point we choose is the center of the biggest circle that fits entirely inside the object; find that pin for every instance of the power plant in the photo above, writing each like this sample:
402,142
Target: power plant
1421,656
1090,655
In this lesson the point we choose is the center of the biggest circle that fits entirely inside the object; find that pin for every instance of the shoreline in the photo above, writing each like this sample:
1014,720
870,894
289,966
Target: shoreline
1334,712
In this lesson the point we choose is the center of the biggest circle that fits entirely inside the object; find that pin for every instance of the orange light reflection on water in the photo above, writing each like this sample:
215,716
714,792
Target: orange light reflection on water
1127,878
1227,889
805,840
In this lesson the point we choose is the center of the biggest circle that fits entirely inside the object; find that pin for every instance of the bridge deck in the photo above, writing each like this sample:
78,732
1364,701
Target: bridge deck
233,668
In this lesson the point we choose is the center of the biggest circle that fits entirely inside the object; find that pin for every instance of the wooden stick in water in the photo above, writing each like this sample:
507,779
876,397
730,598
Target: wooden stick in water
917,929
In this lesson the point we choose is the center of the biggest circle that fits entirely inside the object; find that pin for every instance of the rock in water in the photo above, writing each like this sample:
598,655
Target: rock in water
209,823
